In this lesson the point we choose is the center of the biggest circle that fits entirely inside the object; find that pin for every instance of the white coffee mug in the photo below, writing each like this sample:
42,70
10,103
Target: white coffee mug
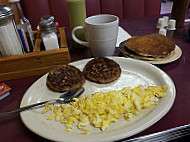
102,31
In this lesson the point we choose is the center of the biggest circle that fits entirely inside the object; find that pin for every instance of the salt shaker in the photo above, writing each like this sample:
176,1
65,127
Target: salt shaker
47,17
48,35
10,43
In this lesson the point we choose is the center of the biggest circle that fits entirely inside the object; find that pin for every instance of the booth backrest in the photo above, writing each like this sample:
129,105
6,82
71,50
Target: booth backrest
34,9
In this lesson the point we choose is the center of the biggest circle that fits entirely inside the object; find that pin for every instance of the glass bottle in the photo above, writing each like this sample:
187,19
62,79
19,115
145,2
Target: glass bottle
77,16
179,11
10,43
24,24
48,34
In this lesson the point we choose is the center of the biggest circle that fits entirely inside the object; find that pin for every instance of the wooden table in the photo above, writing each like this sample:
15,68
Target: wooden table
12,128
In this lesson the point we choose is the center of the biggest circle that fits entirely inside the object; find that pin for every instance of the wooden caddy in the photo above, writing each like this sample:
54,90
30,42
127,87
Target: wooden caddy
34,63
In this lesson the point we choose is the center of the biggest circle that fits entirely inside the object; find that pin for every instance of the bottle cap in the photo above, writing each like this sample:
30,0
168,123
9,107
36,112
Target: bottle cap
6,12
163,32
165,18
12,1
171,24
47,17
160,23
47,26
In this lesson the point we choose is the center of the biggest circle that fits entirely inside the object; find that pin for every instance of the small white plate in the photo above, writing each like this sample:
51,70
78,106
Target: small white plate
134,73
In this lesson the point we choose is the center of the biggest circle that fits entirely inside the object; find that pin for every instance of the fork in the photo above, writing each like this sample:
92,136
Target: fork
164,136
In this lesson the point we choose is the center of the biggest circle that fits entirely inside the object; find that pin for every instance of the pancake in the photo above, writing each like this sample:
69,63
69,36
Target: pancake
64,77
154,46
102,70
129,53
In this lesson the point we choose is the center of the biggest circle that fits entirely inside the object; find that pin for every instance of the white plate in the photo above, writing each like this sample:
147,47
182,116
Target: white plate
134,73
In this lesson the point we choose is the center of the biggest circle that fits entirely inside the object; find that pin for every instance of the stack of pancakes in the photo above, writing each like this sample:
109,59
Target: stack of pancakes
150,47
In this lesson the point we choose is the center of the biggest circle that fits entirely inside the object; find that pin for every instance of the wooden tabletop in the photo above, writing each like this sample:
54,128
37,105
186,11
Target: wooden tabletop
12,128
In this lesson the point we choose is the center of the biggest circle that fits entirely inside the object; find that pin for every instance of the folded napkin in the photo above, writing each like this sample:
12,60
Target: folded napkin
122,35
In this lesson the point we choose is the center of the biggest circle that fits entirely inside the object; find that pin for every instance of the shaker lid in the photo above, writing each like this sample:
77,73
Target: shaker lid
5,12
47,26
12,1
47,17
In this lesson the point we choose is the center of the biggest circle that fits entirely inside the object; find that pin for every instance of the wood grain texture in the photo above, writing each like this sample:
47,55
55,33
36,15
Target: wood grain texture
4,2
16,15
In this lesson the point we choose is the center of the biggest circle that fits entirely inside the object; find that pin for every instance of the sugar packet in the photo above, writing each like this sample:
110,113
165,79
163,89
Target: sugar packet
4,91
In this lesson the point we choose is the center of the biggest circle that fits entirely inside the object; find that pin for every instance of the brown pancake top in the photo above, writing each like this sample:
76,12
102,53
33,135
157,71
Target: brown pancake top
155,45
102,70
65,77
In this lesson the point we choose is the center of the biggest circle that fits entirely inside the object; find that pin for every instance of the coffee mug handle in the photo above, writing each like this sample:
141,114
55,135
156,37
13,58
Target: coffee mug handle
75,38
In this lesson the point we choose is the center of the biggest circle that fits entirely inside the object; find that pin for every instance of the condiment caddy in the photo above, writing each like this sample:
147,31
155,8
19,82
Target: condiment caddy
19,58
35,63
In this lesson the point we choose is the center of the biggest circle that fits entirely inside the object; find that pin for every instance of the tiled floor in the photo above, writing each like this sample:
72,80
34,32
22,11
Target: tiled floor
166,7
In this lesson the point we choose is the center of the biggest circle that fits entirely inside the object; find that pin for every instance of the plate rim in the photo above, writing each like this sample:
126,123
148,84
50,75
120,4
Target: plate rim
118,137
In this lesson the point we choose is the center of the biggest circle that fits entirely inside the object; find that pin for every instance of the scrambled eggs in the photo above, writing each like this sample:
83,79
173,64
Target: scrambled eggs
101,109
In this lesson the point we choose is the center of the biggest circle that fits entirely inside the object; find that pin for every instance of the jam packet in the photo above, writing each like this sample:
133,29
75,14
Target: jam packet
4,91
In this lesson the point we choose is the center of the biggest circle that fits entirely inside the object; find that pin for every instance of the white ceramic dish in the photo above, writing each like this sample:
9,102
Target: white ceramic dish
134,73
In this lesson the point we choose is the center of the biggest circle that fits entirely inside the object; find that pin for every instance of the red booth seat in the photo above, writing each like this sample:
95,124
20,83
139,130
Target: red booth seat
34,9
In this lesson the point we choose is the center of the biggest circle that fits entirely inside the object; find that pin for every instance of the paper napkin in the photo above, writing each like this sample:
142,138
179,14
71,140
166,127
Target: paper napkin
122,35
